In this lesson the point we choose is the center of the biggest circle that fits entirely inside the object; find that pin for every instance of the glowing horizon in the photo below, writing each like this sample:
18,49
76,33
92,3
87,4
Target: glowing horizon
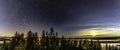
98,32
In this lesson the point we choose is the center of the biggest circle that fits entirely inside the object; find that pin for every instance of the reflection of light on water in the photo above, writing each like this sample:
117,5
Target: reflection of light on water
1,42
114,44
110,44
104,42
7,41
103,46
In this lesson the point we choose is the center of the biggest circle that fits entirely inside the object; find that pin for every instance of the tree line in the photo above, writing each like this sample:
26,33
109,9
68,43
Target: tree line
49,40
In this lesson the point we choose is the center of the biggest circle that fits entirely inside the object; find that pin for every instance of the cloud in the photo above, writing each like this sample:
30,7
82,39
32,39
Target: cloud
100,32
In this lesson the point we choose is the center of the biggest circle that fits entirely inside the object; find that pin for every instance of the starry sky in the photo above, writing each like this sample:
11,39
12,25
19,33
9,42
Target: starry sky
66,16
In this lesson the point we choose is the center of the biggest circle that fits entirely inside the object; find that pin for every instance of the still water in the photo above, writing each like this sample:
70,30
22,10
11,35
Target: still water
112,45
104,45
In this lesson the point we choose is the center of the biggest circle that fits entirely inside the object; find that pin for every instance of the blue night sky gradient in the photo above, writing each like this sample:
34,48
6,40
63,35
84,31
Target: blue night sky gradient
66,16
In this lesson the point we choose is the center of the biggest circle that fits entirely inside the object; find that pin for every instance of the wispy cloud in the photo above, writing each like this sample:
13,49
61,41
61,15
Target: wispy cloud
100,32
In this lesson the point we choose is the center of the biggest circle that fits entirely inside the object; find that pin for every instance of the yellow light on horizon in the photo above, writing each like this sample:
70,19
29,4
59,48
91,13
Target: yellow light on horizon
93,32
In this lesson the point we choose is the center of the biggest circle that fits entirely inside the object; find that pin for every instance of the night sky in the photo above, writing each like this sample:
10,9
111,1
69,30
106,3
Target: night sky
66,16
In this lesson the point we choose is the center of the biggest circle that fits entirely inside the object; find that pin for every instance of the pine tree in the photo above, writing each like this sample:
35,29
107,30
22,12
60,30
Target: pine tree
30,41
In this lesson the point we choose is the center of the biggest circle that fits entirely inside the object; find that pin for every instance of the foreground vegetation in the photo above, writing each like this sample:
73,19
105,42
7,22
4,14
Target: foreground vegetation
49,41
